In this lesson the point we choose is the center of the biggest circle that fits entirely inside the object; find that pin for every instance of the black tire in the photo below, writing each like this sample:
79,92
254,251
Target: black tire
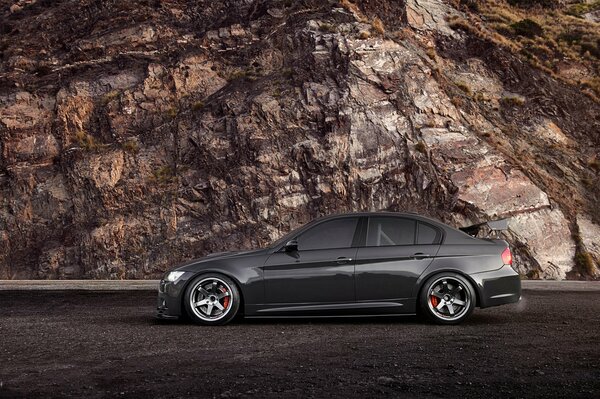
447,298
208,288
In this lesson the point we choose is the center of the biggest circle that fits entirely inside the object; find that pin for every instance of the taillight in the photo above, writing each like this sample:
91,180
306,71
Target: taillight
507,256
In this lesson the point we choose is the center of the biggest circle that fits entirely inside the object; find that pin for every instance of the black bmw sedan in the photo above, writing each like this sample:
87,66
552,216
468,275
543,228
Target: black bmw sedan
358,264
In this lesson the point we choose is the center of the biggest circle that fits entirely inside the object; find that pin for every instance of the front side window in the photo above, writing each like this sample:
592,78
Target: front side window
337,233
385,231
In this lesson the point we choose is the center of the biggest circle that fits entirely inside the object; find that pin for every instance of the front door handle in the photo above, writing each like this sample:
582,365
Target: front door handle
419,256
343,260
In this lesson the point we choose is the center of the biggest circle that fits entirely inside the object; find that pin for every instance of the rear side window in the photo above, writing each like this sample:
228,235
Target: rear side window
426,235
385,231
332,234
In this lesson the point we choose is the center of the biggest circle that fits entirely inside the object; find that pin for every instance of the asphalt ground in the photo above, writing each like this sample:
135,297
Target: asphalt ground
95,344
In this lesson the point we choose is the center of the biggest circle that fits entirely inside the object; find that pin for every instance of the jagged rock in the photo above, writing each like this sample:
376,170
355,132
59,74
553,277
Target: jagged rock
546,234
23,110
148,143
593,16
195,76
275,12
15,8
431,15
547,130
102,170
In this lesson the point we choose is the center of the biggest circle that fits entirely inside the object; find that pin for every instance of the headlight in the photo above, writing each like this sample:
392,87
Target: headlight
172,276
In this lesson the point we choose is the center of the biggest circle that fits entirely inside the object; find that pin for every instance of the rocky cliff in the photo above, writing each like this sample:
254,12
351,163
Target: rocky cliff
138,134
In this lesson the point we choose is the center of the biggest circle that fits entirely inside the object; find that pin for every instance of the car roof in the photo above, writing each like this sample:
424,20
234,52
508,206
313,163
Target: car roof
451,234
381,213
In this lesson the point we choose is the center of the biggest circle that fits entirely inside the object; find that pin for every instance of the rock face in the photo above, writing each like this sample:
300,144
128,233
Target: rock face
150,134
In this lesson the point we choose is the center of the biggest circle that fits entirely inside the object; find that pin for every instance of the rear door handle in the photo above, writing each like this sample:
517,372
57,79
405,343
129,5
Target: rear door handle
419,255
343,260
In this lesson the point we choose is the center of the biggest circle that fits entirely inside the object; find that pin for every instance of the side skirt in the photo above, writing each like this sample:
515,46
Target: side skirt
367,308
332,316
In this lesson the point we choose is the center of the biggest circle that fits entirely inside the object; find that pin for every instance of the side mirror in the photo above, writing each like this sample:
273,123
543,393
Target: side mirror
291,246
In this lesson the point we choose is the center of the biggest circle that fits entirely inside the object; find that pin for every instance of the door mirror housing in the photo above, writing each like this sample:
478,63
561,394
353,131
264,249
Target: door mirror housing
291,246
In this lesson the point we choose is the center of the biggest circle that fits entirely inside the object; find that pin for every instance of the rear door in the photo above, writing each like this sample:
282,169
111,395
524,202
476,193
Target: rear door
320,272
395,252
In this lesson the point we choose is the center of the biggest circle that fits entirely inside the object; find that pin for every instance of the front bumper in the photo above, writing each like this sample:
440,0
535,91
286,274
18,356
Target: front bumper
498,287
169,301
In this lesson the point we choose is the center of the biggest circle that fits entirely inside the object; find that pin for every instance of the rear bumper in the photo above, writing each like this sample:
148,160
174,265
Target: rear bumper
498,287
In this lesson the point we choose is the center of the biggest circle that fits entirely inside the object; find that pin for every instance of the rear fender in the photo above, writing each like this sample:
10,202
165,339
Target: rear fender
466,260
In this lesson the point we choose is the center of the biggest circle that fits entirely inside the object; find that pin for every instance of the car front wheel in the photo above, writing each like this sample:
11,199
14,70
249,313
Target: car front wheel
447,298
212,299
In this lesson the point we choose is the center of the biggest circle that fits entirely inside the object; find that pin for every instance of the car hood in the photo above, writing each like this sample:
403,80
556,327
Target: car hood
217,257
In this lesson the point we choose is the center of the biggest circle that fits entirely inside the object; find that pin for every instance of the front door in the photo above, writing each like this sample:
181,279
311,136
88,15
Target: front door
320,272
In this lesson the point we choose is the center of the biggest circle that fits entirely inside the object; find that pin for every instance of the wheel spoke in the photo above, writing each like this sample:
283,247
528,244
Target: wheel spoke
219,306
457,289
209,309
223,295
445,288
201,303
203,291
450,308
459,302
440,305
214,287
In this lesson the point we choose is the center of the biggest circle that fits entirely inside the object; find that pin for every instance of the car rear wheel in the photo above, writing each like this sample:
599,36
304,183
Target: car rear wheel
212,299
447,298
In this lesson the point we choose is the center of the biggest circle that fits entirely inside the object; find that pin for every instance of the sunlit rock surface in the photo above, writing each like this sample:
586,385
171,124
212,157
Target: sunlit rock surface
167,132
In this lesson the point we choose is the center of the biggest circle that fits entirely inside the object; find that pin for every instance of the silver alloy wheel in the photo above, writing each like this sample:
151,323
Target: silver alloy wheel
448,299
211,299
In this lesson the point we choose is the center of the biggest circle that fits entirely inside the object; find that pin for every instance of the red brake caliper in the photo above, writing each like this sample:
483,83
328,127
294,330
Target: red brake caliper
434,301
225,299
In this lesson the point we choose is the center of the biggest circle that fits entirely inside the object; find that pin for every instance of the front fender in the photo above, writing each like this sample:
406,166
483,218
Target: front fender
247,274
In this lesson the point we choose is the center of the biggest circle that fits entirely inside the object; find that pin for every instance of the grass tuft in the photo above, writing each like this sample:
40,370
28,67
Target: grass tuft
527,28
364,34
164,174
585,263
327,28
512,101
86,141
457,101
172,112
594,164
464,87
378,26
198,105
131,146
110,96
354,9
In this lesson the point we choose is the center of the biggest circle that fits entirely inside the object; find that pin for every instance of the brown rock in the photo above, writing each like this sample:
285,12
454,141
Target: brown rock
152,139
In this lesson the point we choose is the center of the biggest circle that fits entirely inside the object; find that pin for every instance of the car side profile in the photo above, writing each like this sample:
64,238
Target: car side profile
357,264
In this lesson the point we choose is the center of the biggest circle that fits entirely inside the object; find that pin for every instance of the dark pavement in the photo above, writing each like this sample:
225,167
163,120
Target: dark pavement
107,344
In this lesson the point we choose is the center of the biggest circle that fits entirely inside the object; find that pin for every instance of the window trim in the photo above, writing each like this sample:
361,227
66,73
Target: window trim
439,236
